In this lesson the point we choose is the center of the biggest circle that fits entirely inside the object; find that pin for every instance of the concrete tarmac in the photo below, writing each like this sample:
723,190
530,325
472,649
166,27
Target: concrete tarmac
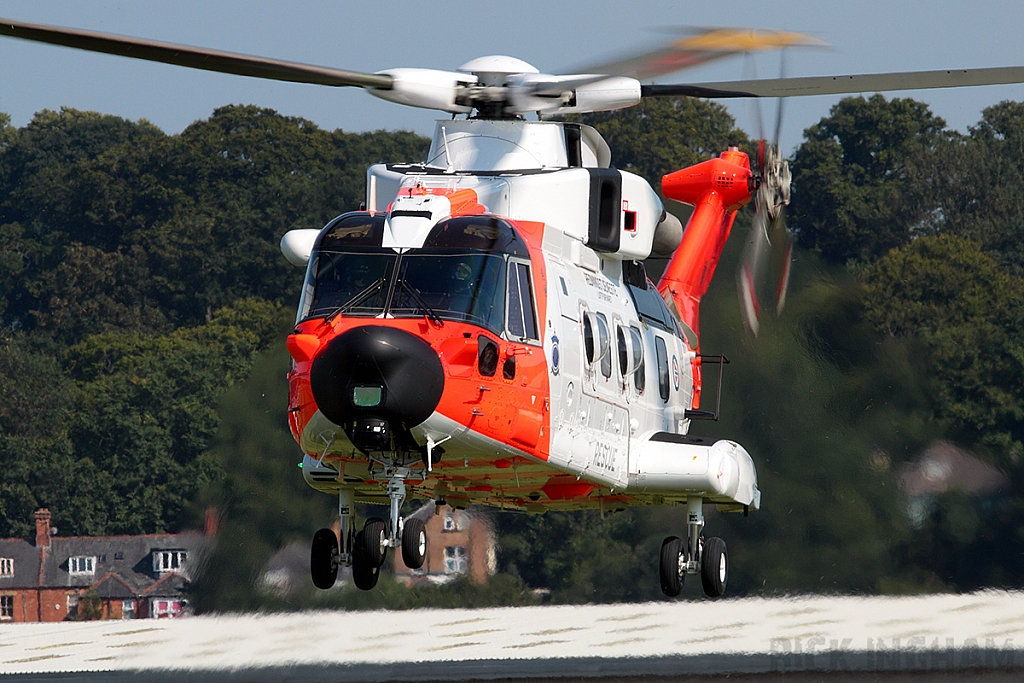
977,637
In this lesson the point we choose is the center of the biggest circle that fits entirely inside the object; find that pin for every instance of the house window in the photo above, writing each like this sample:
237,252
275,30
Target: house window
455,559
168,560
6,566
82,565
127,609
165,608
451,523
6,606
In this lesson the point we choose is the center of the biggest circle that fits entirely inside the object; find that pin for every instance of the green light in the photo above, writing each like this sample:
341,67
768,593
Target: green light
300,465
366,397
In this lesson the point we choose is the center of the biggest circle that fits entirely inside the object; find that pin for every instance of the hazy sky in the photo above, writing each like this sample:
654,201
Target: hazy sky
868,36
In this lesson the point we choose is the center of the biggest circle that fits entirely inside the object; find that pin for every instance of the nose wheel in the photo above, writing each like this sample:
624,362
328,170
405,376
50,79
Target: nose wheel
323,562
709,557
366,550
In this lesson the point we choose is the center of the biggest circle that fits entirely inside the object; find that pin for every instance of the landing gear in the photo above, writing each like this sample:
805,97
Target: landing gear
673,566
696,555
365,569
375,540
414,543
714,567
367,550
323,563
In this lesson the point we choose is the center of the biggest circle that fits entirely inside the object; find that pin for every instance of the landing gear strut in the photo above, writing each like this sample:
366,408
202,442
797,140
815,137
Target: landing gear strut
695,555
366,550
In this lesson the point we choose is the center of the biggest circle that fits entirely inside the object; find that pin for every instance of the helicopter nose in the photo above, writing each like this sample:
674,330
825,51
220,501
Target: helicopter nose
374,380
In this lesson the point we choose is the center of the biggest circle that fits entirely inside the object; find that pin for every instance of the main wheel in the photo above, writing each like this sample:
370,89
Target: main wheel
414,543
364,571
375,532
322,566
671,556
714,567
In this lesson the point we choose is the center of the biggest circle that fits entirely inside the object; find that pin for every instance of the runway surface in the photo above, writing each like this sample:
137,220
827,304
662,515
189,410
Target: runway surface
941,637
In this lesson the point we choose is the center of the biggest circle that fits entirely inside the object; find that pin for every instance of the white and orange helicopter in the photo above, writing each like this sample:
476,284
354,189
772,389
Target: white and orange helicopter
483,330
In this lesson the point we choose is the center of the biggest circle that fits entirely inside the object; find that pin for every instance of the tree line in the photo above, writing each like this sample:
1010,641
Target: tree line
143,300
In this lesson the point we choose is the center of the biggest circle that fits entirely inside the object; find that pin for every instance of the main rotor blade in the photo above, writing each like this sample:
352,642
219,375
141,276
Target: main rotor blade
841,85
193,57
697,46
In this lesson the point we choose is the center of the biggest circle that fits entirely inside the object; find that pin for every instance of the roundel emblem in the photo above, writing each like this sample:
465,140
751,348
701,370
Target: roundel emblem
675,373
554,354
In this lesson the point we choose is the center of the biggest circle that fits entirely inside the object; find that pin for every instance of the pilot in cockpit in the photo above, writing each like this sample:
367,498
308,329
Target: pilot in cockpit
460,293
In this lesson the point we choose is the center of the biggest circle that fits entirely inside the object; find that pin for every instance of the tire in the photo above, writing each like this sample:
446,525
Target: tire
364,572
375,535
671,579
322,567
414,543
714,567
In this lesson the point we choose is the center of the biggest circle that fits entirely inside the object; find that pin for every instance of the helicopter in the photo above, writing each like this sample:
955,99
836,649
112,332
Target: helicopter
482,329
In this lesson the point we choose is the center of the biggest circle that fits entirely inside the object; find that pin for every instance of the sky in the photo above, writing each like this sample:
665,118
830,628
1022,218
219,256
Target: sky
868,36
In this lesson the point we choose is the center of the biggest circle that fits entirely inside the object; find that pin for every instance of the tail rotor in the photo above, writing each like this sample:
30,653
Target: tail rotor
764,269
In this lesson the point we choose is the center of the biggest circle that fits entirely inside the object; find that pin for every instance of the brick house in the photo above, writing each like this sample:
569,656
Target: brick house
458,542
106,577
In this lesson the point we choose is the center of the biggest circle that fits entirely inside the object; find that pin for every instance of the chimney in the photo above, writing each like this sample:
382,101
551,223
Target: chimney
211,521
42,528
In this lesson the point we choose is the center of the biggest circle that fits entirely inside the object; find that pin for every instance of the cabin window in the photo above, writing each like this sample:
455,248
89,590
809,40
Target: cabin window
521,316
621,343
651,307
631,356
639,376
604,345
6,566
82,564
663,376
588,337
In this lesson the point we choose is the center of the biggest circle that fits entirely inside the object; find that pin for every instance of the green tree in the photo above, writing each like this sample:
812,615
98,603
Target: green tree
864,180
945,293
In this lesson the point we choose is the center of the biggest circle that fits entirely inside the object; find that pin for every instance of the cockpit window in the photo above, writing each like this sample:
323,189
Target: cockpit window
360,229
459,274
522,318
354,283
465,287
477,233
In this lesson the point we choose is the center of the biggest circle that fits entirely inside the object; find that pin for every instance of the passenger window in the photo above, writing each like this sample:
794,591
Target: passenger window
604,345
522,319
639,376
620,342
663,377
588,337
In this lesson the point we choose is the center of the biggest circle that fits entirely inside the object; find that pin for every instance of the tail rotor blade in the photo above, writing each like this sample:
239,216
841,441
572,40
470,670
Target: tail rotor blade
754,267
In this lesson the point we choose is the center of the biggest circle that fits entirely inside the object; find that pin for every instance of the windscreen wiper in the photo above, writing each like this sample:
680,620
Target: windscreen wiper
357,299
430,312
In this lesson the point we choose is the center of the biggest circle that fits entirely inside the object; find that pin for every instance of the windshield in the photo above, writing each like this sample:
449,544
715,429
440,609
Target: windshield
354,283
467,287
459,274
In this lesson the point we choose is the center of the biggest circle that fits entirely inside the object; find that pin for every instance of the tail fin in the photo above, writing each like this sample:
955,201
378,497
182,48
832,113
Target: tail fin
716,188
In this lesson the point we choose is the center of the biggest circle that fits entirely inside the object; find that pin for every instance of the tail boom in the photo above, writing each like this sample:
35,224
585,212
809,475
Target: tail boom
717,189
